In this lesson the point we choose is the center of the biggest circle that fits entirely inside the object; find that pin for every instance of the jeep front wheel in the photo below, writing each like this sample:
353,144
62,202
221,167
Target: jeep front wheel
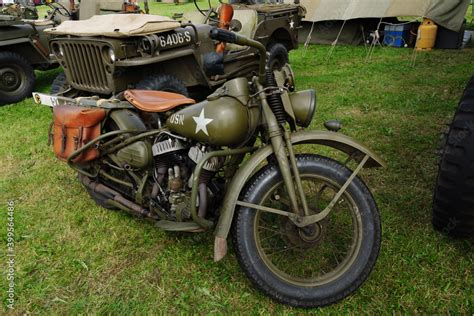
162,82
61,87
59,84
17,78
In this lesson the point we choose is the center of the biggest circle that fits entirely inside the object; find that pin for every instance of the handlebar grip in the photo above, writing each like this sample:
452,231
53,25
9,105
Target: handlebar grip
223,36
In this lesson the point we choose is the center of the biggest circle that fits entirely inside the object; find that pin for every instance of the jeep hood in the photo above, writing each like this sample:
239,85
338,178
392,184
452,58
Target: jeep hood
116,25
16,31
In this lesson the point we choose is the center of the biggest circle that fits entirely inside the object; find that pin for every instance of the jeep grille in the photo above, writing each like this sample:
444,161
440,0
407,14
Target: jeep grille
87,68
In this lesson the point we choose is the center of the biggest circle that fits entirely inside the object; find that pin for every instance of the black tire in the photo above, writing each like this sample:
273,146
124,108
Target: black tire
453,200
249,250
17,78
59,84
277,56
161,82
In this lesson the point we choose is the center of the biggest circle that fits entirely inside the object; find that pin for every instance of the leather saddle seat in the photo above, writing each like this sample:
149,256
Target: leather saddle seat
156,101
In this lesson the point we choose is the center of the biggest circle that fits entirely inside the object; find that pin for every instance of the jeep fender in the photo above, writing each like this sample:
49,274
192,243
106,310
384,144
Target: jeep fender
14,41
334,140
35,54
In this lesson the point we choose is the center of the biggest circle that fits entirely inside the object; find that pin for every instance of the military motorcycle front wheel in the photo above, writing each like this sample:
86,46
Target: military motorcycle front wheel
317,265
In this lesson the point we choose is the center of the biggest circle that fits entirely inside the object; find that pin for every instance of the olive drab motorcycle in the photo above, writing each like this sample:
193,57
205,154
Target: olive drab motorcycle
305,228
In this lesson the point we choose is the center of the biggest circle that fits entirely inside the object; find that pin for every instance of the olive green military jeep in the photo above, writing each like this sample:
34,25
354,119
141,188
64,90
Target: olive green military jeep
181,58
24,47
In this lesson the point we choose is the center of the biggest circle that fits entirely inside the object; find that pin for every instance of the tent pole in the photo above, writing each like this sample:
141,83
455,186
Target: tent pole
333,45
308,40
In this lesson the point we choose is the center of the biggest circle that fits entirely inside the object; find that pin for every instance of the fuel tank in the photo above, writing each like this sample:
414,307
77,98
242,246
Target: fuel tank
224,119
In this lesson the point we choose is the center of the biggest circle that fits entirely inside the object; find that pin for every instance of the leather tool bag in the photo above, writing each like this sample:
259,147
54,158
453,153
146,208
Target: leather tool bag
73,127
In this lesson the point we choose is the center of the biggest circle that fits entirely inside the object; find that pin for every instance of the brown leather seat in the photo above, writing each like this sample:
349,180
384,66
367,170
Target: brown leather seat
155,101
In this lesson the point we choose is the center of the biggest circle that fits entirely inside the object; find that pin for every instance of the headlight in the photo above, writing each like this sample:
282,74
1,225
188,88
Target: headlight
304,106
109,54
57,50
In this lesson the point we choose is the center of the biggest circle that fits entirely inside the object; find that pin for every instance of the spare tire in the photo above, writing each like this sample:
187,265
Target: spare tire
277,56
453,201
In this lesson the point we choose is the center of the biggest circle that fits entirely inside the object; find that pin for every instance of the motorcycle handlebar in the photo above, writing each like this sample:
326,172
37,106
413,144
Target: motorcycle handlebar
223,36
230,37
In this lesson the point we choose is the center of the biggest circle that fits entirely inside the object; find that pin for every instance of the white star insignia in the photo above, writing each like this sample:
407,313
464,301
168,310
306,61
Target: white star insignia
292,24
202,122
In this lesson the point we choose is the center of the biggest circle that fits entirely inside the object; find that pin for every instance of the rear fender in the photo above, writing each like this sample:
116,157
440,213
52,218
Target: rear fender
334,140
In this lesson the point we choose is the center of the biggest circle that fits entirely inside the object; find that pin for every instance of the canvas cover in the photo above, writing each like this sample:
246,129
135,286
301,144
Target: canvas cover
447,13
116,25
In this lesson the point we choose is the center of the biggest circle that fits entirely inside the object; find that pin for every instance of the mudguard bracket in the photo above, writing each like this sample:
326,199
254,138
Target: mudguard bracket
303,221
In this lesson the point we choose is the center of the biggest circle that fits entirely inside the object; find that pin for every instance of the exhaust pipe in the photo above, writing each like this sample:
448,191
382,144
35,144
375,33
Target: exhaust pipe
117,199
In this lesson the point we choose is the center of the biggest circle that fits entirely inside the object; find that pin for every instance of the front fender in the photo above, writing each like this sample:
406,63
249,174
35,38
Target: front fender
15,41
331,139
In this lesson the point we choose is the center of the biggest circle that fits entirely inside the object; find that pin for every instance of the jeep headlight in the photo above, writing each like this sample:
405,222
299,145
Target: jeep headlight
109,55
304,106
57,50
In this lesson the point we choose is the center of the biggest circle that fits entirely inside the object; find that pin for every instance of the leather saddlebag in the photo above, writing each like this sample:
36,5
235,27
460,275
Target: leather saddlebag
73,127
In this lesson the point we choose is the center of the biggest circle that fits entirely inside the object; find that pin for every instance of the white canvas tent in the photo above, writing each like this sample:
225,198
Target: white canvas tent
447,13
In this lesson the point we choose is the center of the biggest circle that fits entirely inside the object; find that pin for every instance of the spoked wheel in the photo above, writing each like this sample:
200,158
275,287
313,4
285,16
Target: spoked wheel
319,264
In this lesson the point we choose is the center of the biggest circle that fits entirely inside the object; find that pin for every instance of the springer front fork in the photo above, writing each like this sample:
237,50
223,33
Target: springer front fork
283,149
285,156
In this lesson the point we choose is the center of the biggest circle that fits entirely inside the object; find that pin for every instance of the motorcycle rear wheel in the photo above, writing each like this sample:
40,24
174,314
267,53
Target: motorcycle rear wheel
322,263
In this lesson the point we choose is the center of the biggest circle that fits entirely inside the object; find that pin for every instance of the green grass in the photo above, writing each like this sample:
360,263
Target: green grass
470,18
170,9
158,8
74,257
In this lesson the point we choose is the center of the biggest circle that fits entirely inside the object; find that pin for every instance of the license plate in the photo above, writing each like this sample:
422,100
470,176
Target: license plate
174,39
45,99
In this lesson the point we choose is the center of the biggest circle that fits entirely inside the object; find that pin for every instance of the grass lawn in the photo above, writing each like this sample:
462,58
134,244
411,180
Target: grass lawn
74,257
